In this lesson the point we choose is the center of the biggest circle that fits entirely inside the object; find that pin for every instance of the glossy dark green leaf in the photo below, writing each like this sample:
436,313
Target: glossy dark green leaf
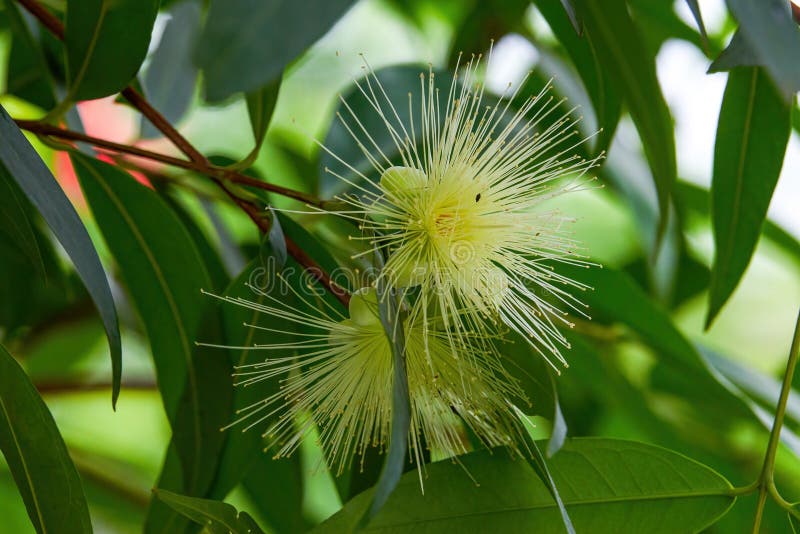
36,454
584,55
28,75
752,134
274,243
159,263
171,76
165,275
106,42
15,223
260,106
774,36
34,178
621,52
247,43
607,485
215,516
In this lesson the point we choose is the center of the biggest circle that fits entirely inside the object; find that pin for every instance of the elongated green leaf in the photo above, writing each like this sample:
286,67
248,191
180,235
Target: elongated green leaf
34,178
607,485
622,54
161,267
260,105
773,36
389,311
577,25
28,74
171,77
696,199
738,53
243,447
694,7
247,43
15,222
37,456
217,517
583,52
752,134
165,275
106,42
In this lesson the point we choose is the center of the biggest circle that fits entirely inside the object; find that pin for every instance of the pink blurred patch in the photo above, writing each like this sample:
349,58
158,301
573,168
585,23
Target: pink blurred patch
106,119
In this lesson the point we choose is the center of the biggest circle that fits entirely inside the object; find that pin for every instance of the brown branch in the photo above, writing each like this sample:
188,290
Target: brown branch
204,167
198,162
47,19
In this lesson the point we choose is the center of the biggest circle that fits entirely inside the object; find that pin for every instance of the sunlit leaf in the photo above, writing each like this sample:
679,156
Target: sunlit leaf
106,41
607,485
752,134
36,454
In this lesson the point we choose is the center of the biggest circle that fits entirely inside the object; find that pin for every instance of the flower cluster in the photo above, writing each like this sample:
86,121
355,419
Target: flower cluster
458,214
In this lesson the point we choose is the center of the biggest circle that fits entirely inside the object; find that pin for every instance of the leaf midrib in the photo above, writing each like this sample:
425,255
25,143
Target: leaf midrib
739,178
76,82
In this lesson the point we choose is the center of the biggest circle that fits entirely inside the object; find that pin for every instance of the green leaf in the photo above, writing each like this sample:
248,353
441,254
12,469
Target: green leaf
539,465
398,82
28,75
242,448
171,75
536,380
577,25
794,518
772,34
217,517
247,43
738,53
36,454
621,52
106,42
607,485
276,489
696,199
34,178
584,54
165,275
15,223
260,106
694,7
752,134
392,470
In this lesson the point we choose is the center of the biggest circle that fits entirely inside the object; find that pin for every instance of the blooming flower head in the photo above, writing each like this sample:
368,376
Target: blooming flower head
460,211
341,382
